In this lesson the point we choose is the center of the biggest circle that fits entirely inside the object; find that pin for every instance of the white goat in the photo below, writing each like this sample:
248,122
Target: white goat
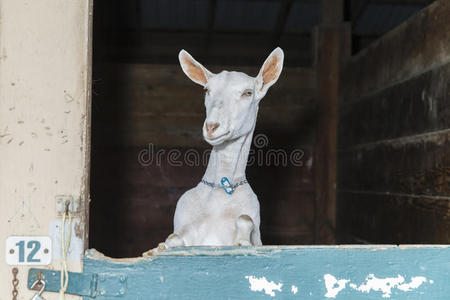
223,210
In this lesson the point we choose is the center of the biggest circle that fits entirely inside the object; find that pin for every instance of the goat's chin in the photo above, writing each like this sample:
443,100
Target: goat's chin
217,141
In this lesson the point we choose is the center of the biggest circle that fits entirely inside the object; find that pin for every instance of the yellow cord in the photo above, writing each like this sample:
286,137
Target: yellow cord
65,244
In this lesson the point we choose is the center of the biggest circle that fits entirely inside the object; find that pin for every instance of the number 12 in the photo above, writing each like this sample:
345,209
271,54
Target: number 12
34,245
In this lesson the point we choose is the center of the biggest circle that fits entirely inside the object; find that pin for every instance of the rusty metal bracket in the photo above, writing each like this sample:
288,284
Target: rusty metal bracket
82,284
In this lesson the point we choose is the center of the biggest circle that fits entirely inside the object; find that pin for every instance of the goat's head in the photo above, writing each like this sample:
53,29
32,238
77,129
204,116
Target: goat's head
231,98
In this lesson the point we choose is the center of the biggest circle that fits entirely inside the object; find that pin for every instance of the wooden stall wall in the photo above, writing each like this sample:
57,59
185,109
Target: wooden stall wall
394,135
147,150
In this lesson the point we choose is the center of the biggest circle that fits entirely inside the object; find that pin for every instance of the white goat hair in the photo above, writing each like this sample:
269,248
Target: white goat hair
207,215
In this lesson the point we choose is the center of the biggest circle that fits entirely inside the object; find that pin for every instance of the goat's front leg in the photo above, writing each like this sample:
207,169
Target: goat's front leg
173,240
244,229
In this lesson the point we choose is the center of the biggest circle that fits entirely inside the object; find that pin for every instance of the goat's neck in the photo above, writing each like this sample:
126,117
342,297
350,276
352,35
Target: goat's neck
229,160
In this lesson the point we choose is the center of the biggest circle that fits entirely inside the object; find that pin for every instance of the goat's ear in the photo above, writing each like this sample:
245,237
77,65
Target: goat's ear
193,69
270,71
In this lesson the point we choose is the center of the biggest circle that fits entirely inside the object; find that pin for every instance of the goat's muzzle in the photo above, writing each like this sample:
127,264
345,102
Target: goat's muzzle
211,128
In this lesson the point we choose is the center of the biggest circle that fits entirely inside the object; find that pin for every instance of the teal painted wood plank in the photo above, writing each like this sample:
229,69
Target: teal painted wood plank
82,284
335,272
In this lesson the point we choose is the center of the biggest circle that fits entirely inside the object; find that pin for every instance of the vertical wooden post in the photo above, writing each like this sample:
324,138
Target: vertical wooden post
44,128
330,50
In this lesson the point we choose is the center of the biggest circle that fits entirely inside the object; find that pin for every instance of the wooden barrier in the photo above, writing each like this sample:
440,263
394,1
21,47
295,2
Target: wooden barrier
282,272
394,135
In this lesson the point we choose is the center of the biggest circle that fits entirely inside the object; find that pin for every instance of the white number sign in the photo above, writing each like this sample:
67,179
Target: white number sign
28,250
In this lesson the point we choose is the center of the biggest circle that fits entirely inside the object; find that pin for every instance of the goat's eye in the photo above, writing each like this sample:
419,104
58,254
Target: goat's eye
206,91
247,93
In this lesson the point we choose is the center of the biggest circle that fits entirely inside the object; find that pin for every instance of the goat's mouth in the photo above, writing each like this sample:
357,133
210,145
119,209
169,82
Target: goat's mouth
217,139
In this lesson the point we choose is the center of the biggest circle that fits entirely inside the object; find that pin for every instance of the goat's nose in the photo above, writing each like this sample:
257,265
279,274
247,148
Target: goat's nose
211,127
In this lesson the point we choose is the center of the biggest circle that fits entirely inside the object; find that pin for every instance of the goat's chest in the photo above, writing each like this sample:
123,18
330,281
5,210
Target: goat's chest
209,218
218,206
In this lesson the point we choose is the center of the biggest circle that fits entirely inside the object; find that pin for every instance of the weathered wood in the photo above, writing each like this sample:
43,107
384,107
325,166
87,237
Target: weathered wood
396,191
141,104
413,165
227,48
167,129
415,106
281,272
394,137
287,215
385,218
44,126
153,75
422,43
330,50
139,194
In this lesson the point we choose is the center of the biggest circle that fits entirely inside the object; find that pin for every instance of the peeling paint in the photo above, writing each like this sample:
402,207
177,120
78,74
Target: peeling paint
384,285
97,255
414,284
294,289
333,285
78,230
260,284
75,250
372,283
291,272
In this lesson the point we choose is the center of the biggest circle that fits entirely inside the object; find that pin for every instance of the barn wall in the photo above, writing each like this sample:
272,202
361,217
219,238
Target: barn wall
143,109
394,135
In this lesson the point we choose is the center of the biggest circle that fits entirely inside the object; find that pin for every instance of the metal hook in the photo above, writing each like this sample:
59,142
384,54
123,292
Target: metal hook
67,203
39,276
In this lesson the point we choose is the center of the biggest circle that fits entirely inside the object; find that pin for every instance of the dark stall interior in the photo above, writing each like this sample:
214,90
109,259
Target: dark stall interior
362,99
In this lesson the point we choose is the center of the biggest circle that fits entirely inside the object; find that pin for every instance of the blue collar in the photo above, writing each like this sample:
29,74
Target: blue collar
225,184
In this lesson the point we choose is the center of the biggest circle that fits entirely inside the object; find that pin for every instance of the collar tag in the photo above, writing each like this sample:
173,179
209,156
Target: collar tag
226,184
